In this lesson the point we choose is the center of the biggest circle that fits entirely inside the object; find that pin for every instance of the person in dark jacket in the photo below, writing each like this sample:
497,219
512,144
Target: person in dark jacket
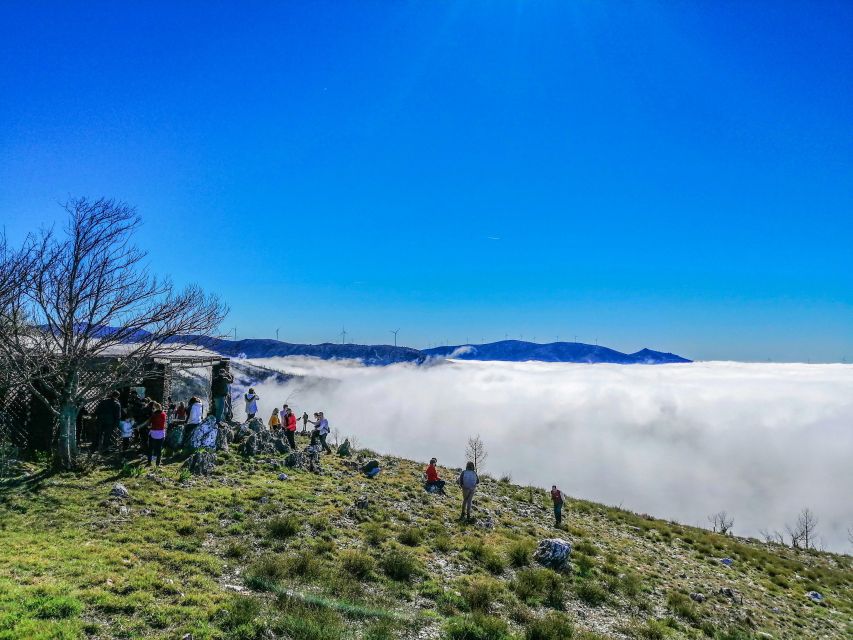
221,389
108,415
557,499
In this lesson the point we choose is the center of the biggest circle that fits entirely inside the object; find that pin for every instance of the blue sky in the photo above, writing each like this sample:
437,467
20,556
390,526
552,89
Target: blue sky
677,175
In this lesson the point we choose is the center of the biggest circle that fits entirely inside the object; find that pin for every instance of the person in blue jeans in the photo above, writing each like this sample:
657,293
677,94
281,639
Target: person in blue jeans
220,388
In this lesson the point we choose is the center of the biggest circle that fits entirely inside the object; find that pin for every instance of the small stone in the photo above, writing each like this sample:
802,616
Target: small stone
362,503
697,597
814,596
120,491
282,476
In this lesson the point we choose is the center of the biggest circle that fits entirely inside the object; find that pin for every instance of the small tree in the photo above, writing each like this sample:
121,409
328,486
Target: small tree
90,316
772,537
804,531
476,452
721,522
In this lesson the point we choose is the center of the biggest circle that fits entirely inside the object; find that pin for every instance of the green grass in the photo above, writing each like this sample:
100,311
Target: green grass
310,565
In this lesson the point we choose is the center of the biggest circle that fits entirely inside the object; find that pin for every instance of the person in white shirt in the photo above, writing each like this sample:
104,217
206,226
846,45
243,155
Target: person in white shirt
251,399
195,410
321,430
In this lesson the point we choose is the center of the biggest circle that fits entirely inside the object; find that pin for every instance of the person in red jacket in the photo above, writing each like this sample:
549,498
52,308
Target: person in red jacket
557,499
433,482
156,432
290,427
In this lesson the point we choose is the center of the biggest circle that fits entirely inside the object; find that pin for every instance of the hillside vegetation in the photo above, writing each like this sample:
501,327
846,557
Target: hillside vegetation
244,554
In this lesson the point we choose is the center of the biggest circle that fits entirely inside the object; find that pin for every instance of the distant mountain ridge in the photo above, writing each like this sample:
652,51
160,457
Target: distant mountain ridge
520,351
504,350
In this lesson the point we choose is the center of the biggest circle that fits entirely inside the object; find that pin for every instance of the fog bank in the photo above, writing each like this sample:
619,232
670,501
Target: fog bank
676,441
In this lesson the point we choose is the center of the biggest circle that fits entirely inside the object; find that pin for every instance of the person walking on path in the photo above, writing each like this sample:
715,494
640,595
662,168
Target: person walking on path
251,399
275,420
108,413
290,428
156,433
220,389
557,499
432,479
468,480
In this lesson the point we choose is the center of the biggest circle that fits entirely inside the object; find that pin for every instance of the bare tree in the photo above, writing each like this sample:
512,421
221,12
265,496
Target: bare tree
91,316
476,452
721,522
774,537
804,531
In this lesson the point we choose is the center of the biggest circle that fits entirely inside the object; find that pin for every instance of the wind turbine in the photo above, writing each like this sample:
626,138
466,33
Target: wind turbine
276,334
395,332
343,335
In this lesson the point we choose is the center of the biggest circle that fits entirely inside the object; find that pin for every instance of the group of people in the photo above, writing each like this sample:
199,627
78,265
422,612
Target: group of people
468,481
284,419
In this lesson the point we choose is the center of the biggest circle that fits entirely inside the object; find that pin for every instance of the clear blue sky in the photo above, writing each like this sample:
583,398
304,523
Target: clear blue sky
677,175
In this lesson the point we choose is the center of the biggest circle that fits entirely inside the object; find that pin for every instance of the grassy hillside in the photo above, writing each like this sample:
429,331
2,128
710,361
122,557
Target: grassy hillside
243,554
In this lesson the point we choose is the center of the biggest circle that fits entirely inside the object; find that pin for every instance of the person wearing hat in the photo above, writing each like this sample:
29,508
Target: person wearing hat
433,482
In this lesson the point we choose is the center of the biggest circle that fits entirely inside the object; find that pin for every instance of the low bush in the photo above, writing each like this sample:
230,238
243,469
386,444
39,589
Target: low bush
265,569
476,627
411,536
682,606
591,592
357,563
283,527
399,564
535,586
520,553
554,626
479,592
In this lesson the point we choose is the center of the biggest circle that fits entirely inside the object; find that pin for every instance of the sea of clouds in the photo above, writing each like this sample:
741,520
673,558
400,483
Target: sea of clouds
682,441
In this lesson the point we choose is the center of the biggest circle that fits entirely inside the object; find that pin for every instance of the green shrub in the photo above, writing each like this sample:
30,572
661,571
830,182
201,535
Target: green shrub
479,592
442,542
520,553
283,527
411,536
535,586
682,606
241,611
265,569
554,626
583,564
374,533
236,550
303,622
399,564
591,592
357,563
476,627
304,564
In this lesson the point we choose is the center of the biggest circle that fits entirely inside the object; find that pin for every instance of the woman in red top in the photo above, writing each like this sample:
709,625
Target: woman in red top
290,427
156,433
433,482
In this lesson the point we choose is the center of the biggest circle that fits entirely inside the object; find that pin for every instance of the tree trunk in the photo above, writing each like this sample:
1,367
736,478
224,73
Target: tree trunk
66,441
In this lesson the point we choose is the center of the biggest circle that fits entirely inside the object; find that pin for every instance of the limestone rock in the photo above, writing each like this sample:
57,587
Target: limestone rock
553,553
120,491
201,463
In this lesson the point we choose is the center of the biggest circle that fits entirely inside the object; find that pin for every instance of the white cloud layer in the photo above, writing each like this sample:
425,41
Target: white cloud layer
676,441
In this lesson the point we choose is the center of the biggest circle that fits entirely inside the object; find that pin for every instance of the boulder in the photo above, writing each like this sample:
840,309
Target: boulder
553,553
256,425
281,445
204,436
120,491
175,439
697,597
251,446
294,460
201,463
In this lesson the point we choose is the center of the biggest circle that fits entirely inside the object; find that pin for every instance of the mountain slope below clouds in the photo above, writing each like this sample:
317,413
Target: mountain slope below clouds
520,351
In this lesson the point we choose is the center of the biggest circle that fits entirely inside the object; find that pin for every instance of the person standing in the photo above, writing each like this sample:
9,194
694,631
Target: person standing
108,413
290,427
557,499
251,399
323,430
305,422
274,421
156,433
181,412
468,480
194,415
126,428
220,388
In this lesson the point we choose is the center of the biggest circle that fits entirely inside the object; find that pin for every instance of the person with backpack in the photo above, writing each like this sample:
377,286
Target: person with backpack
468,480
557,499
290,427
156,433
251,399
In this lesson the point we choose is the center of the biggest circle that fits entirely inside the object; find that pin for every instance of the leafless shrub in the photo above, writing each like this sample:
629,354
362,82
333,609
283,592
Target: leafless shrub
721,522
803,533
476,452
772,537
